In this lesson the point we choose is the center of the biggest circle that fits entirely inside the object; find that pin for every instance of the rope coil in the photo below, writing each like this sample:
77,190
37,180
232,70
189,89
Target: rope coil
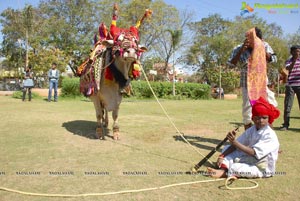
233,178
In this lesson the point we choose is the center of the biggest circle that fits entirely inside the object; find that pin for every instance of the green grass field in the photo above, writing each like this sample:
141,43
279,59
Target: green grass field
51,148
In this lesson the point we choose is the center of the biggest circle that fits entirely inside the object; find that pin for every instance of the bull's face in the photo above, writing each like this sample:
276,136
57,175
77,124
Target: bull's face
126,46
127,53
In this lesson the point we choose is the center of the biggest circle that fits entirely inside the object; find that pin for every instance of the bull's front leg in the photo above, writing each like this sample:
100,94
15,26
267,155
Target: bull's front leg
115,114
99,116
104,117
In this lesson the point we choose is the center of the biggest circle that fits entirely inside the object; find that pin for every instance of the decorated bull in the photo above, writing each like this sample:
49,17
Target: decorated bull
111,65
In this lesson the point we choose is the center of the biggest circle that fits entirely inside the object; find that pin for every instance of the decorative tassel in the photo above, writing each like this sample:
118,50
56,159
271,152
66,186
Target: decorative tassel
103,31
108,74
95,39
121,52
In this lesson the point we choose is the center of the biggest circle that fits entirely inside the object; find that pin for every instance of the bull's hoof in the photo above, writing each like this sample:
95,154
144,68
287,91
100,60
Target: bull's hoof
116,136
100,133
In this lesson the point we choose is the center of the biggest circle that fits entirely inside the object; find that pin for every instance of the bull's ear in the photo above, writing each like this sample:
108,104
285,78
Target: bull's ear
108,43
142,48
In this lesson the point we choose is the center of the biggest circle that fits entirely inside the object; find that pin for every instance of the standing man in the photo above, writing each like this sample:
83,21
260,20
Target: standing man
292,86
53,75
241,55
28,83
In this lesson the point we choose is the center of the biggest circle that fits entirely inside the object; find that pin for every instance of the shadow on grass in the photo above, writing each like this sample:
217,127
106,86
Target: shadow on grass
236,124
294,129
290,129
85,129
82,128
199,141
295,117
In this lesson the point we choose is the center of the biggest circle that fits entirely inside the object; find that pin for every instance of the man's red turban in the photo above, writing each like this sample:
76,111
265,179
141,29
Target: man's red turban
262,107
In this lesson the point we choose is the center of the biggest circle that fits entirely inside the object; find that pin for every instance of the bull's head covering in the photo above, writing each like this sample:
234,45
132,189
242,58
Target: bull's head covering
103,32
262,107
116,31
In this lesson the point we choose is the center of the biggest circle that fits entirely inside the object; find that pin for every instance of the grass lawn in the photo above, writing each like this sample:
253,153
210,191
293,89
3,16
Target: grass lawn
51,148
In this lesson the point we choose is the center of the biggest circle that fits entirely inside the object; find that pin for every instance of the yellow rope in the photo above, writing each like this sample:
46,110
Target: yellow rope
107,193
233,178
165,112
134,190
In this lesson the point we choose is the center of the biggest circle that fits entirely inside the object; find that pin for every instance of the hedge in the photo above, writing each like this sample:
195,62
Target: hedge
165,90
70,87
141,89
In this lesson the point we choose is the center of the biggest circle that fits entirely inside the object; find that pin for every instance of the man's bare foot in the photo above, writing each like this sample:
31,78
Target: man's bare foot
216,173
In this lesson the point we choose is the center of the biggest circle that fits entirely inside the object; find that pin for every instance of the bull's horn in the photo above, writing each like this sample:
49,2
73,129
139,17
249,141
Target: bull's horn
143,48
115,14
147,13
108,42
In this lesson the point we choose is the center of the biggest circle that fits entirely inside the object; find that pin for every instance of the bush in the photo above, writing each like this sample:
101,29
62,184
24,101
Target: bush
19,95
165,90
70,87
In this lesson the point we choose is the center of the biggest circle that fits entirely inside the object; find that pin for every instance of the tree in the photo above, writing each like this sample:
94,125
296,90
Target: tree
294,39
209,41
13,38
211,47
175,40
74,25
215,38
27,21
156,36
63,28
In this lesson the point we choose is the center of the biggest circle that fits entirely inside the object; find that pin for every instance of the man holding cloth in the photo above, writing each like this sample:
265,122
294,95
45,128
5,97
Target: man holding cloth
252,57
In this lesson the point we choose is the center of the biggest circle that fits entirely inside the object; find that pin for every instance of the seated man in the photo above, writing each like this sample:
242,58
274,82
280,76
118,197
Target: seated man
254,153
220,92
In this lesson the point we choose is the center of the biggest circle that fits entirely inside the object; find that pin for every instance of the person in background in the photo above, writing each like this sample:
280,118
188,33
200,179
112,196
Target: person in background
292,86
217,92
53,75
220,92
28,83
240,55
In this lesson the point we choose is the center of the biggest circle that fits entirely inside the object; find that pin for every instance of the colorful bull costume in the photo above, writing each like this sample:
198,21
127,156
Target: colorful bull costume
111,65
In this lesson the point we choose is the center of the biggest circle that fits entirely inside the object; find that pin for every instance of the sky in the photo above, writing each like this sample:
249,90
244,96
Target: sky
287,18
284,15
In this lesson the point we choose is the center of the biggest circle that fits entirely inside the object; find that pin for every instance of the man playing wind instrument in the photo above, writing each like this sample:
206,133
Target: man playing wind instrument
255,152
